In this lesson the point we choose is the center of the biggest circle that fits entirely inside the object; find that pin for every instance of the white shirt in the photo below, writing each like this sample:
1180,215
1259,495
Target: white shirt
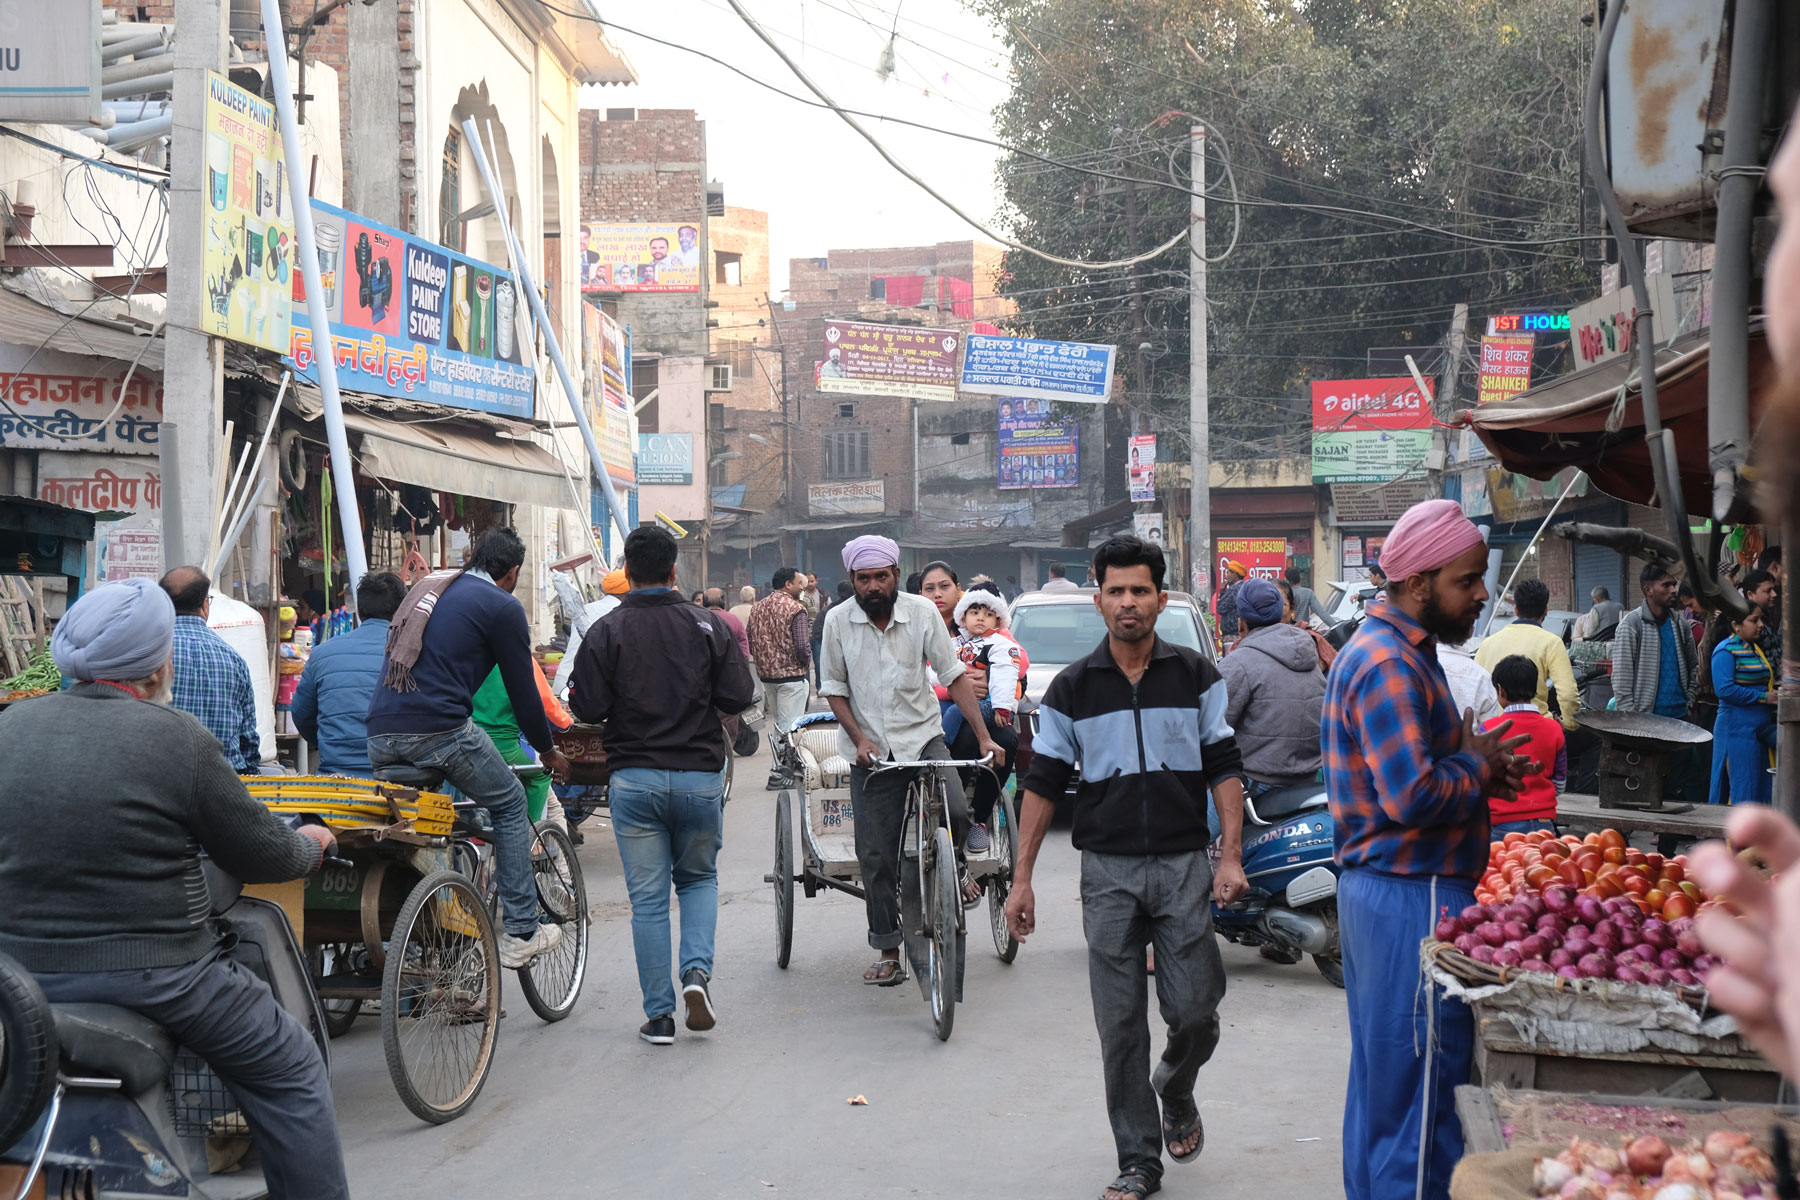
882,673
1057,583
1469,684
593,612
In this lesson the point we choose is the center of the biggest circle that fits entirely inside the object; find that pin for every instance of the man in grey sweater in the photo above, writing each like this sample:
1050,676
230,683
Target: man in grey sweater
110,795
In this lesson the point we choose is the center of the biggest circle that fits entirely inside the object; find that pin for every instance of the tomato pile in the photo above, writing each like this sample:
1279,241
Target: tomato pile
1600,865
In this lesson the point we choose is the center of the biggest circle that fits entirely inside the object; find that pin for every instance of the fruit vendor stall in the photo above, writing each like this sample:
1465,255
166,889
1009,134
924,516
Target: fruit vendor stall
1581,964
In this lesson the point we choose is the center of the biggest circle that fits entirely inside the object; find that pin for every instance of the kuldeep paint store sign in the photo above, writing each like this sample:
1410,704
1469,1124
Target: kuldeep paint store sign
412,320
248,255
863,359
1037,451
657,257
1369,430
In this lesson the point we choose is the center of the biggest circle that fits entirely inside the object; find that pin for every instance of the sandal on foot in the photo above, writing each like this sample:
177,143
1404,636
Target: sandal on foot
887,972
1133,1183
1180,1123
971,890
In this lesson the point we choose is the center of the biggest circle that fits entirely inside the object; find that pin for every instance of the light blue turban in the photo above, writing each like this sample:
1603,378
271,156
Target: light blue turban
120,631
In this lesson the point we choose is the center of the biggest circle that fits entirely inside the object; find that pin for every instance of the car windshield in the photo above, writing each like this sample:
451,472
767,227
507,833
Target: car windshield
1063,633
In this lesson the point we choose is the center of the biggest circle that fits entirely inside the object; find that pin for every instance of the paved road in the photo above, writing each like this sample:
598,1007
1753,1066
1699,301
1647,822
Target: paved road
1011,1106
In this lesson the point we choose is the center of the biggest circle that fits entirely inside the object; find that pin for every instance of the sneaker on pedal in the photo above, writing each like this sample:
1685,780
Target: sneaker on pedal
779,780
979,842
698,998
516,952
658,1031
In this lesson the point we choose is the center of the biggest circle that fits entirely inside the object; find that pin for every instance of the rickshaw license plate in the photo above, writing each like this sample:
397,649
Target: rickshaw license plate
336,887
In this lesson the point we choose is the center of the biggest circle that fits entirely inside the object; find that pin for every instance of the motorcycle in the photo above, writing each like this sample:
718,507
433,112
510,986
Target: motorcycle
102,1102
1291,908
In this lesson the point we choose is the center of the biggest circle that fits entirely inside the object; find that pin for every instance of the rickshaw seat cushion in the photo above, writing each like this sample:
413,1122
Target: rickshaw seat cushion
116,1043
407,775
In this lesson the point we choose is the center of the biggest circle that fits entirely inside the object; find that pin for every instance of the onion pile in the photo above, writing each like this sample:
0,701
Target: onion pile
1578,937
1726,1166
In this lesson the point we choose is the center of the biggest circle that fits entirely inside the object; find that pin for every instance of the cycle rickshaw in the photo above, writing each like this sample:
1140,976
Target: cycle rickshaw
406,919
931,910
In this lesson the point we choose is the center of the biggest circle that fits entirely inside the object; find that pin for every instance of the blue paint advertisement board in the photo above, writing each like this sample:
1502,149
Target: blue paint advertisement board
1031,367
413,320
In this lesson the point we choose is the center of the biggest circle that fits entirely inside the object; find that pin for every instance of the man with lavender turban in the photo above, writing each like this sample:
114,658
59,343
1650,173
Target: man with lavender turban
870,551
1408,780
123,632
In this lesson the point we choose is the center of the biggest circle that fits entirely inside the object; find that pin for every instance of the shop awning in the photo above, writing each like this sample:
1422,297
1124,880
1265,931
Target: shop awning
28,322
464,460
1564,423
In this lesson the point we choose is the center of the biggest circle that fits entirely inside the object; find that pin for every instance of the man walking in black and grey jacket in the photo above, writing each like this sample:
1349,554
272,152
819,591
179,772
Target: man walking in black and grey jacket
656,672
1146,720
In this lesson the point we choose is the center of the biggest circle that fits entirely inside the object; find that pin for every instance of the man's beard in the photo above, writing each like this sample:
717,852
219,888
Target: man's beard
879,605
1446,628
165,690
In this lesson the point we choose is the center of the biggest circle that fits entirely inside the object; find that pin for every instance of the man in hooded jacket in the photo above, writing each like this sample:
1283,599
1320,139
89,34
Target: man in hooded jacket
1274,691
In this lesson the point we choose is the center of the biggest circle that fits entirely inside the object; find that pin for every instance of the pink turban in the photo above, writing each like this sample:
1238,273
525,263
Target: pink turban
1428,536
870,551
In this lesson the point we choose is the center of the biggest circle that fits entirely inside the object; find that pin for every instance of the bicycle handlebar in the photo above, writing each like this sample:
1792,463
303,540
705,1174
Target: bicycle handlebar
881,764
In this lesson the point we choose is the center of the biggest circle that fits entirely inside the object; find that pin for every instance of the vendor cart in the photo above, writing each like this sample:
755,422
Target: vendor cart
406,919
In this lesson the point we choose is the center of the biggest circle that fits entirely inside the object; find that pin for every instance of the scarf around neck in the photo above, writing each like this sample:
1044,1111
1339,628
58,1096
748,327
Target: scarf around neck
406,632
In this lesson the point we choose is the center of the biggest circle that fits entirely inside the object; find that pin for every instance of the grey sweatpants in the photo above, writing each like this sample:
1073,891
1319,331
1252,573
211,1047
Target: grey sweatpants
1165,901
228,1016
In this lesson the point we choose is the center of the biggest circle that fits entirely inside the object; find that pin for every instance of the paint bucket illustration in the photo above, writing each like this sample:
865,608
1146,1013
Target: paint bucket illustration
505,303
218,170
328,236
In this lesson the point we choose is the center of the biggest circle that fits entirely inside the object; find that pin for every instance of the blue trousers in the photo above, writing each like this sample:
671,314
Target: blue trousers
670,825
1410,1046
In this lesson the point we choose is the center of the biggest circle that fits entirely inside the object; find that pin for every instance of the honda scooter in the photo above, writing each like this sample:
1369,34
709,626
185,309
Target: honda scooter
1291,908
101,1101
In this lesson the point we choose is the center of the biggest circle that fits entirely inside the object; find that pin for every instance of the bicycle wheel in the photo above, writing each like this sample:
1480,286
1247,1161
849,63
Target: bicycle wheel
942,913
440,997
783,878
725,794
330,960
999,887
552,982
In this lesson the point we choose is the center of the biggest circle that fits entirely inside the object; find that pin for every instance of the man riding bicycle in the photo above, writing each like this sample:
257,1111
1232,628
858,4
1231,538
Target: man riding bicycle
451,631
873,674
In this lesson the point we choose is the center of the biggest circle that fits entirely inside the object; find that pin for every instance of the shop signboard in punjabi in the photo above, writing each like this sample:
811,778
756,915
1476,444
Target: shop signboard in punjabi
1369,430
248,254
661,256
863,359
1505,365
1036,450
412,320
1045,370
1140,471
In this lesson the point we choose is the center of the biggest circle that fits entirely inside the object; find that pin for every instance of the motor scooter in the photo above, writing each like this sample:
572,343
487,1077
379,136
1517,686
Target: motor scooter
1291,908
100,1101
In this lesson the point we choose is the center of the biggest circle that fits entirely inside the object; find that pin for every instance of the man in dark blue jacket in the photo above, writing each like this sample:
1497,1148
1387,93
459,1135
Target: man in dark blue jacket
449,633
1145,719
332,702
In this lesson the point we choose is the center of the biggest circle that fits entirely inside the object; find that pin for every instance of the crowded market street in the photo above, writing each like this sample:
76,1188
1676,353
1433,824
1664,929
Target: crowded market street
758,1106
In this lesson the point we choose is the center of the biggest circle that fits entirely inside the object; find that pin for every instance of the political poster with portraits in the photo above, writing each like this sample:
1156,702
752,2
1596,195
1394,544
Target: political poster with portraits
1140,467
1036,449
646,256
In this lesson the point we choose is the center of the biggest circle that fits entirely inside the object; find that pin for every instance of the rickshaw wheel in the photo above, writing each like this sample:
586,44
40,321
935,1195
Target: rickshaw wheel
440,997
784,879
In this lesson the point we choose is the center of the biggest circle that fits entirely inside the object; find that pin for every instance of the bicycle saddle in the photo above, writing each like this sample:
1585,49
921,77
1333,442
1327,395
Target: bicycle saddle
407,775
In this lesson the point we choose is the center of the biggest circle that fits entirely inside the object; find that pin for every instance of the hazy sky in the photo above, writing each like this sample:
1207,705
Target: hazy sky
820,183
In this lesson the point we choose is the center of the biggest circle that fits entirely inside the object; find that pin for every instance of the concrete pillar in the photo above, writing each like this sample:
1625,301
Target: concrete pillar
372,139
193,376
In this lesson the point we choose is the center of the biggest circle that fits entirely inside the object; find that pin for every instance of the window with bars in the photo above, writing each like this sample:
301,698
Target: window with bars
846,454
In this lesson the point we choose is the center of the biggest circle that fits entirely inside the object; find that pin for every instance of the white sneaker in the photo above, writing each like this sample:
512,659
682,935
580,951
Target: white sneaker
516,952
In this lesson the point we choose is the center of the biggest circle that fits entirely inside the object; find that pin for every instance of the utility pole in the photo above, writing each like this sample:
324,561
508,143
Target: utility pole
1199,419
193,372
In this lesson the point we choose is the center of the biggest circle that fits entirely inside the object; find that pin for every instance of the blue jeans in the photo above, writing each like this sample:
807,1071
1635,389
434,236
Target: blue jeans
1501,828
473,766
226,1015
670,825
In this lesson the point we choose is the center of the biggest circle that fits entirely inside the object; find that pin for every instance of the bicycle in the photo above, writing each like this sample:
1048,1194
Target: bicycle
928,860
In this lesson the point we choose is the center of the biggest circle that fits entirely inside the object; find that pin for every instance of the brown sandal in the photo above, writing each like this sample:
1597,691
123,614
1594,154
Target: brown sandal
887,972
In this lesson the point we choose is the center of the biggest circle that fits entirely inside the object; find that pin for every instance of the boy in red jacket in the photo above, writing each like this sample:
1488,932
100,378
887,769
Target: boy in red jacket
1516,680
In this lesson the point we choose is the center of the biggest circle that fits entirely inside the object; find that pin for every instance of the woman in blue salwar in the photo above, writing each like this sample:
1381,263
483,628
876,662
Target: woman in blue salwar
1744,731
